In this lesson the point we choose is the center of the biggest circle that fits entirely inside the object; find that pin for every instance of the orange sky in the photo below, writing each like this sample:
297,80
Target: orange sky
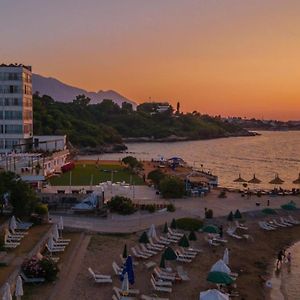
228,57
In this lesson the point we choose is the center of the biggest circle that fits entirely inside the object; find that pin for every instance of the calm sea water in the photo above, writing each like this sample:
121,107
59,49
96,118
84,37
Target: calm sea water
264,155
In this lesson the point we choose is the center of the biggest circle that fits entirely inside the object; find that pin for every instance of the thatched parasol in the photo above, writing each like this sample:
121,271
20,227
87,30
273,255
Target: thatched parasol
297,181
254,180
277,180
240,179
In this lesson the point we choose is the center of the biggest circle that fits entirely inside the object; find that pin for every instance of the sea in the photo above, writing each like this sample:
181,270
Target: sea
265,155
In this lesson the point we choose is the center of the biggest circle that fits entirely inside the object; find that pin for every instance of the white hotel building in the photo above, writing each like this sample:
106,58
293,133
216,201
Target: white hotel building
15,108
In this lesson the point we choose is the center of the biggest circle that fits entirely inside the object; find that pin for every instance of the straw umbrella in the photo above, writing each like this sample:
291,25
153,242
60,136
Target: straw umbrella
240,179
254,180
213,295
19,288
7,293
226,256
277,180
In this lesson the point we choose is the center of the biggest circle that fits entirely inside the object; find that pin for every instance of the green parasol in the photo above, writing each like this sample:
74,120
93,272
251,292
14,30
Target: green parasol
269,211
173,224
169,254
162,262
165,228
125,254
144,238
237,214
210,229
219,278
184,242
192,236
230,217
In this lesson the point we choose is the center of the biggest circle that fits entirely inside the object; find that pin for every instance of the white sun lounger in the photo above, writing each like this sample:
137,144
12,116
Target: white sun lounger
139,255
173,238
130,291
154,246
184,254
55,249
240,226
182,274
160,288
183,259
117,269
294,221
231,232
160,282
146,250
278,224
283,221
265,226
162,240
175,233
164,276
98,276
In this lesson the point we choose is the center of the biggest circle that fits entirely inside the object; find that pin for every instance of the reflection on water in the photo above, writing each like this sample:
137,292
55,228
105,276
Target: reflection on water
265,155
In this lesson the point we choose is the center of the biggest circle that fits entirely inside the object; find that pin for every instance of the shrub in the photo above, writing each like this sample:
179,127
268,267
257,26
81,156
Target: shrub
171,187
41,209
156,176
121,205
132,163
43,268
151,208
209,214
171,207
189,224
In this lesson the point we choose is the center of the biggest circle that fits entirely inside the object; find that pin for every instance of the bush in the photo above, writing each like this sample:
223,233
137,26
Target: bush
156,176
41,209
42,268
151,208
209,214
121,205
171,187
171,207
189,224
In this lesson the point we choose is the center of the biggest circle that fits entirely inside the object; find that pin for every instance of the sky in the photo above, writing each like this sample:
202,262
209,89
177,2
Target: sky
227,57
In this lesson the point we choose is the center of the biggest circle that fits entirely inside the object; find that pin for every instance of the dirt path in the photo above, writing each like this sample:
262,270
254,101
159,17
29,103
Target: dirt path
71,268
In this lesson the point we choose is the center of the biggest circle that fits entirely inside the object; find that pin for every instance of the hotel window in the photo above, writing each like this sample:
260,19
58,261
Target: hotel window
13,115
1,115
1,101
13,129
10,143
13,102
1,130
1,144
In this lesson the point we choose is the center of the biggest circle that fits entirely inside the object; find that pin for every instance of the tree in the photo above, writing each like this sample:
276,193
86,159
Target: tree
171,187
156,176
82,100
178,108
127,107
132,163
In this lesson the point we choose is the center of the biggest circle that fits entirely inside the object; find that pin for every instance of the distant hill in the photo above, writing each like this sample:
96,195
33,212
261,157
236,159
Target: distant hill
66,93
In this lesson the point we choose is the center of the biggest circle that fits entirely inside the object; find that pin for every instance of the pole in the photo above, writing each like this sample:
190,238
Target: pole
70,179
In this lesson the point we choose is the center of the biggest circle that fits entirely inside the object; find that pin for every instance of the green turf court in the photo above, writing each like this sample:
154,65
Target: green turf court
92,174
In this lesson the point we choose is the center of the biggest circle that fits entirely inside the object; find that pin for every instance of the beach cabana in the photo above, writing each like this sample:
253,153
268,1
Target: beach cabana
184,242
240,179
237,214
220,266
210,229
226,256
254,180
269,211
219,278
277,180
289,206
192,236
144,238
19,288
213,295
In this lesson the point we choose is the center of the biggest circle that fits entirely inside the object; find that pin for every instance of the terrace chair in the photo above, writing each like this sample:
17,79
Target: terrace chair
160,282
173,238
182,274
19,233
212,242
117,269
240,225
145,297
175,233
231,232
138,254
278,224
160,288
283,221
163,275
146,250
31,280
294,221
265,226
55,249
10,244
184,259
162,240
157,246
23,225
99,276
181,253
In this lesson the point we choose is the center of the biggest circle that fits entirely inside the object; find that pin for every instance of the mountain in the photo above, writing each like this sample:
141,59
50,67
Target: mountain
62,92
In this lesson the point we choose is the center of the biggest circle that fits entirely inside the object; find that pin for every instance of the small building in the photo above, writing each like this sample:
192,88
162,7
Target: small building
50,143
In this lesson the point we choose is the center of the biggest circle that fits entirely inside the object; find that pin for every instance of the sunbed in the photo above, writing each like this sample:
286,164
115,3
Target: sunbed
138,254
231,232
117,269
146,250
175,233
283,221
183,259
160,288
160,282
182,274
99,278
240,226
55,249
278,224
183,254
145,297
294,221
164,276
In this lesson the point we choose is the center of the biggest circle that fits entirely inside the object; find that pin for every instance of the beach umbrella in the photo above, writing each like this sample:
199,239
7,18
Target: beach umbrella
144,238
128,269
169,254
210,229
152,231
125,254
289,206
230,217
162,262
166,228
7,293
55,232
237,214
13,224
173,224
226,256
269,211
184,242
61,225
277,180
125,285
240,179
192,236
213,295
19,288
220,266
219,278
254,180
297,181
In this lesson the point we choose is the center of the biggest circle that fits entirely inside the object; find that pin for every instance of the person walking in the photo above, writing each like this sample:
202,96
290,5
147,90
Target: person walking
279,259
